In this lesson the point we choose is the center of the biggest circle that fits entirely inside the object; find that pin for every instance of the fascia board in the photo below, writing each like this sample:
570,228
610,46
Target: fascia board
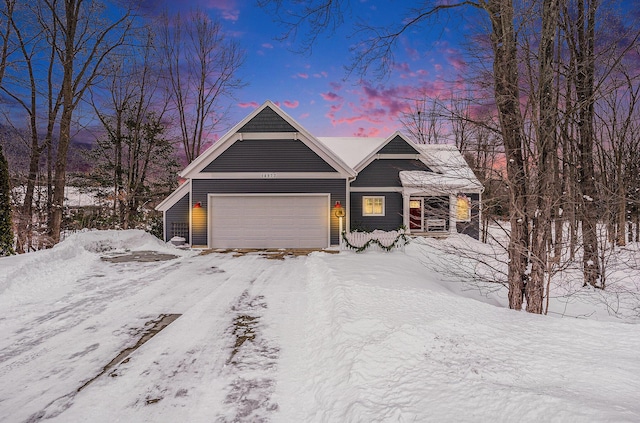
315,145
232,136
174,197
223,142
372,156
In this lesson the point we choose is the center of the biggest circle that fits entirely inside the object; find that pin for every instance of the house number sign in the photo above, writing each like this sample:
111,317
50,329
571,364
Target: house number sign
269,175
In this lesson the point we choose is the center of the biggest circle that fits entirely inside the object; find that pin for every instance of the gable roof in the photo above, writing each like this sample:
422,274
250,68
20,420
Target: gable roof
452,169
246,129
372,154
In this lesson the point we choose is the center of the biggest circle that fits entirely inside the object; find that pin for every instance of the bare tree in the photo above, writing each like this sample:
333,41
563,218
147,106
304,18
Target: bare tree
28,92
6,24
201,68
546,156
423,121
86,37
134,150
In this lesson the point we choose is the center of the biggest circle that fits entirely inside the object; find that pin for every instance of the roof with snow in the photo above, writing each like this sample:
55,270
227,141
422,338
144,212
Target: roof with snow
352,150
450,170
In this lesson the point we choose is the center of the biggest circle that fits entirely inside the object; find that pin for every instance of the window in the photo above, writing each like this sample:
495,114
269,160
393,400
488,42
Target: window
373,206
463,209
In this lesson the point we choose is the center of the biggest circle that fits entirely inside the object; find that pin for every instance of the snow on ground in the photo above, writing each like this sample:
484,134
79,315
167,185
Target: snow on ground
324,338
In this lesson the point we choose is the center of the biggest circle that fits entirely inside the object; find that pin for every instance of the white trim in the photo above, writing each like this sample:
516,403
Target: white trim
377,189
269,194
268,136
374,154
174,197
453,213
479,215
416,156
210,196
233,135
164,226
373,197
269,175
406,216
190,182
347,209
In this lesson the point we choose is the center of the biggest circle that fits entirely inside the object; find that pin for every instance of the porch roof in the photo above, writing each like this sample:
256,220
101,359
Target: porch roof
415,181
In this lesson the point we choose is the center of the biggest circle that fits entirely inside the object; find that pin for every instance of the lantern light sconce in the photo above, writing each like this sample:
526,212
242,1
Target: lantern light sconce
338,209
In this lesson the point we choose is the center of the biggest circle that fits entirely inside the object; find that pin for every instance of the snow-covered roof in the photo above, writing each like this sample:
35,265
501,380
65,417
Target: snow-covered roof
438,182
352,150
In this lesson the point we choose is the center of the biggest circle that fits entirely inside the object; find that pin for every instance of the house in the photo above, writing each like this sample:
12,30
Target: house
269,183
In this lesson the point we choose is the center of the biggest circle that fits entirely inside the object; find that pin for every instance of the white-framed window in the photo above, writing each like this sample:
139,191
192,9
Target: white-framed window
373,206
463,209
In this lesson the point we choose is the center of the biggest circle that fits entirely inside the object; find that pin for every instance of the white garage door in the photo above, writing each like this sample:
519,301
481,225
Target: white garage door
269,221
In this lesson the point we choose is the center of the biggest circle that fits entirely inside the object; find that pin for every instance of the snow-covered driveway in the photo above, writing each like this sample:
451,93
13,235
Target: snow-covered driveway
324,338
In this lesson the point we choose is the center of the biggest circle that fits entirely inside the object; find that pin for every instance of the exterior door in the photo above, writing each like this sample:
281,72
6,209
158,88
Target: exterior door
416,215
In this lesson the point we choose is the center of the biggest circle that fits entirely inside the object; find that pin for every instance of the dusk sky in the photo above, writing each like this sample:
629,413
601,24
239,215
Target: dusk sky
312,87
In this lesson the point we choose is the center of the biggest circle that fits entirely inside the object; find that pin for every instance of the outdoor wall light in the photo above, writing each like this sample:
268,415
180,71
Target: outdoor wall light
197,205
338,209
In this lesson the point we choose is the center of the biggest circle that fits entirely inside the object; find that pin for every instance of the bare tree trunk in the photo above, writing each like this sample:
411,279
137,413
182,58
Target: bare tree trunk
507,98
546,152
88,41
584,82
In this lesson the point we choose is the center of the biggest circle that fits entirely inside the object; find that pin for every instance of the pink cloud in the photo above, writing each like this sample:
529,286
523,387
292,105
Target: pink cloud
438,67
322,74
302,75
267,45
330,96
246,105
291,104
364,132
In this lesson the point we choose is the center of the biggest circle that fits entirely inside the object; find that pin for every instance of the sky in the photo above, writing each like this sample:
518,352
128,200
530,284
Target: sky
314,87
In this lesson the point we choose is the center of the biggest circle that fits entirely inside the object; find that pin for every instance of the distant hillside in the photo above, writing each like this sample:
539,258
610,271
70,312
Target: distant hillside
16,146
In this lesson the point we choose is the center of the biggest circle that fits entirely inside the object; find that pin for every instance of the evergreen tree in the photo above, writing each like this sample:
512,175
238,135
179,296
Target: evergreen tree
6,233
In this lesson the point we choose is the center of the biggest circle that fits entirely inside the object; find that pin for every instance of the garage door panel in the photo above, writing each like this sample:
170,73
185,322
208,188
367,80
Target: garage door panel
269,221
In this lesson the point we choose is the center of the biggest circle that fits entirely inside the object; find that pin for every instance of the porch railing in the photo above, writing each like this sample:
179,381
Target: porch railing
376,240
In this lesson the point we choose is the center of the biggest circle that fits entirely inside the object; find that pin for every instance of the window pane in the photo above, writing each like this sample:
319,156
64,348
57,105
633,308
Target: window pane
464,209
368,206
377,205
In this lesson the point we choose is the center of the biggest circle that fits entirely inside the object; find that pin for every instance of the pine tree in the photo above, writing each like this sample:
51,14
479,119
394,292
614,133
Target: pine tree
6,233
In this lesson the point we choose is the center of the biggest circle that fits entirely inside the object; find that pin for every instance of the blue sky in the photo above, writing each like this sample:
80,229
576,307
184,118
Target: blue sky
312,87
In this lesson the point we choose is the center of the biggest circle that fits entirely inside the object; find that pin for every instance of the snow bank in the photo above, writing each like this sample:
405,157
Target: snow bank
29,276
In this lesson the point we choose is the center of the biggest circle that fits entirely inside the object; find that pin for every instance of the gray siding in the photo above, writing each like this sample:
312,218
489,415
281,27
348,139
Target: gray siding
471,228
398,146
390,221
177,214
267,121
268,156
202,187
386,172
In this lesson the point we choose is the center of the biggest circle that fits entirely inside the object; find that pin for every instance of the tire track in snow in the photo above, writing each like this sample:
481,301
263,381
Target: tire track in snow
184,365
